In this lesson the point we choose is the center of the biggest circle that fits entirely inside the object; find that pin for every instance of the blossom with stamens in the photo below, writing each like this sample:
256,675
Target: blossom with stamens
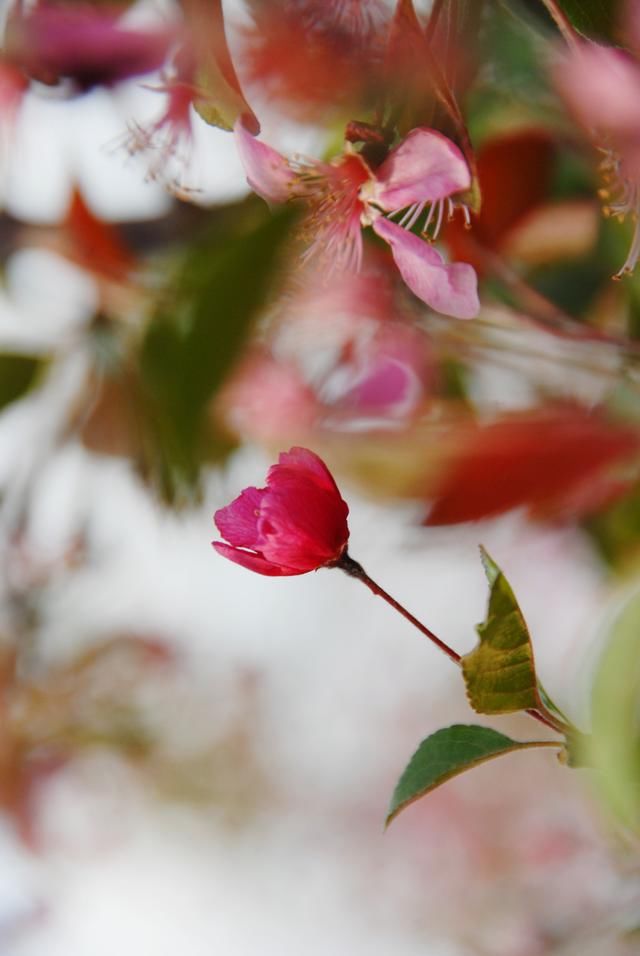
422,175
601,87
170,136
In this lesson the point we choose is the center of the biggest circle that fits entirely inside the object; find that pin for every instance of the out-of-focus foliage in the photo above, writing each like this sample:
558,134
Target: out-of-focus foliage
196,334
614,747
597,19
18,374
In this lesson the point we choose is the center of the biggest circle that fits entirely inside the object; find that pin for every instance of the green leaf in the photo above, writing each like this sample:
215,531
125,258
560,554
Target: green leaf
500,673
18,373
614,750
198,333
447,753
616,530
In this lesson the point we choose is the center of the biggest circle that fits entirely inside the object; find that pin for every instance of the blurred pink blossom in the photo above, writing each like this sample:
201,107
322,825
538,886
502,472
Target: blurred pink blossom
601,86
423,172
269,400
340,358
171,133
88,45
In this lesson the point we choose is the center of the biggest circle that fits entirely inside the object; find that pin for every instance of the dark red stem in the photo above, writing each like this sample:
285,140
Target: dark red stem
562,22
355,570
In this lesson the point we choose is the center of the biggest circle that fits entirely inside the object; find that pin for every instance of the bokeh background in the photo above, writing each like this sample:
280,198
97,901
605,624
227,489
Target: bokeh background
195,759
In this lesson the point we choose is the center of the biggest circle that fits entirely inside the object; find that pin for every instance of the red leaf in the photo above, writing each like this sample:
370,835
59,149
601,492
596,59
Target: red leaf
96,245
555,461
514,174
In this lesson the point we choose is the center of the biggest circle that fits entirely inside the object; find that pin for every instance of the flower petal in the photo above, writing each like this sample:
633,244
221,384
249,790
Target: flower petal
601,86
253,561
297,524
450,289
301,525
426,166
307,463
238,522
388,386
268,172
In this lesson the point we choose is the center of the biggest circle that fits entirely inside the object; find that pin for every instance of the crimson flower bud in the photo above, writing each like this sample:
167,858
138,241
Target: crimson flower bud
298,523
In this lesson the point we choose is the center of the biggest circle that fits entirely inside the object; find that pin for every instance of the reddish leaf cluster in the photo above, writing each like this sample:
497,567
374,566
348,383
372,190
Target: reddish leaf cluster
556,461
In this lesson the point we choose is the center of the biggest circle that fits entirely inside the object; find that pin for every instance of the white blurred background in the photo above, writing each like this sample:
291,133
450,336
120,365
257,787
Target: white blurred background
290,706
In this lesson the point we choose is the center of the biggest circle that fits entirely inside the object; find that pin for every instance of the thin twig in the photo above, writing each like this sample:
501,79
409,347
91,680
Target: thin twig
355,570
562,22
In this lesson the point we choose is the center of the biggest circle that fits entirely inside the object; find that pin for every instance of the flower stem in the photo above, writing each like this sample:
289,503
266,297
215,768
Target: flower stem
355,570
562,22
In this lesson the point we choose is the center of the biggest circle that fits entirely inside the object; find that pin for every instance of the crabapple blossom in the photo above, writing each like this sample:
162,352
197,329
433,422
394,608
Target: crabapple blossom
90,46
420,176
601,86
298,523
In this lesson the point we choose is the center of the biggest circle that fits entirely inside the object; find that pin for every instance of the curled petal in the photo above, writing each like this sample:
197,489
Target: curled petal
304,463
450,289
268,172
238,522
253,561
425,167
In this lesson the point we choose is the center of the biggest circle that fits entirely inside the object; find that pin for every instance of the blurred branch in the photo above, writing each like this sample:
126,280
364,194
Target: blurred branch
562,22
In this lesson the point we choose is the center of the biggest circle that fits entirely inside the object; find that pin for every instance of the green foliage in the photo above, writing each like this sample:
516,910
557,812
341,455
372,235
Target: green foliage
18,373
616,531
595,18
513,87
614,749
446,754
500,673
198,333
572,286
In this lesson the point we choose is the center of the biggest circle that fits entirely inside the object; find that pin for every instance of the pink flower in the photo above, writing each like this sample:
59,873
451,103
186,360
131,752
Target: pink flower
315,55
601,86
170,136
418,177
386,373
87,45
267,399
298,523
